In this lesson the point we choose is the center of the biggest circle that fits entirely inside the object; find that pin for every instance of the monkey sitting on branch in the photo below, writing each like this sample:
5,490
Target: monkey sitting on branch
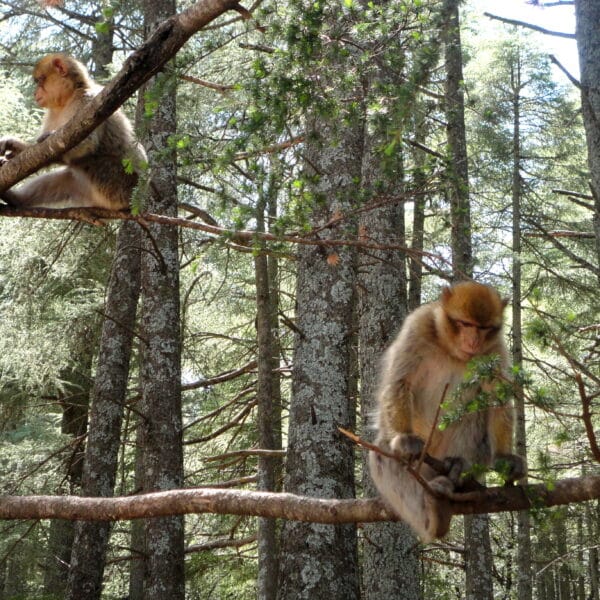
428,361
102,170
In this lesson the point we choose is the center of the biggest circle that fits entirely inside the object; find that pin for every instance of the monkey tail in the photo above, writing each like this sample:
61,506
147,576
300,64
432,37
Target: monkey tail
429,517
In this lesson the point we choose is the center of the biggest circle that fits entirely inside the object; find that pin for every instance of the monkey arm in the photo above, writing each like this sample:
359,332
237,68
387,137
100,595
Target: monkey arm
396,427
85,148
500,433
500,429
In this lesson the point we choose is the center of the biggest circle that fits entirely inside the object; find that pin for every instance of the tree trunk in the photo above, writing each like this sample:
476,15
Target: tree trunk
75,403
477,537
269,411
524,582
415,267
160,372
108,400
390,563
137,567
478,558
587,15
591,519
321,561
457,172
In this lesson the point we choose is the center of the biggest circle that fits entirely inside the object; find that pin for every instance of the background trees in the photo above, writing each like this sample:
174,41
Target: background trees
328,122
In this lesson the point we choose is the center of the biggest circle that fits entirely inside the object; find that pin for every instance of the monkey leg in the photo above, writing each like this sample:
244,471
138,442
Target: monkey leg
62,188
428,516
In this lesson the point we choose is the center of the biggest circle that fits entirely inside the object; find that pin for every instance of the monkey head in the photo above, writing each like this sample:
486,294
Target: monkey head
470,319
57,77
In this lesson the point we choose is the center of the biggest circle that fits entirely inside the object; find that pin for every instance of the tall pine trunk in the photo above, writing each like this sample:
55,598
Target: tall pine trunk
524,582
478,553
160,371
587,15
108,400
321,561
390,564
269,404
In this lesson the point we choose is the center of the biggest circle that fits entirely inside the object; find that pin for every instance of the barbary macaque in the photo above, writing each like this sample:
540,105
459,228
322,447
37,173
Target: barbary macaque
433,350
102,170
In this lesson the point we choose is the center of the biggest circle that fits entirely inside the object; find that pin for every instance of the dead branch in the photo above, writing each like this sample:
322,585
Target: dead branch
235,420
425,452
246,453
223,377
572,193
143,64
561,233
570,36
570,77
219,87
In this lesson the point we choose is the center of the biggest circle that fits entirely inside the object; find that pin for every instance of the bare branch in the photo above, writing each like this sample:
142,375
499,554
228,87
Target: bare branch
227,376
570,36
570,77
244,238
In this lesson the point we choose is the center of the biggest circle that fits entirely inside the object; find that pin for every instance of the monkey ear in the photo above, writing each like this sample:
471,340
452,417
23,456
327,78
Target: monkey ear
505,301
60,66
446,294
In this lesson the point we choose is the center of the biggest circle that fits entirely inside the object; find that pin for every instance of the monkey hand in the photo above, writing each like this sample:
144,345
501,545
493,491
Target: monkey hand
10,147
455,467
442,485
407,445
510,466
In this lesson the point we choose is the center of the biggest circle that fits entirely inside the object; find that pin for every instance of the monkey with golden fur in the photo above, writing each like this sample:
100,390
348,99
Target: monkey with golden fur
433,349
95,174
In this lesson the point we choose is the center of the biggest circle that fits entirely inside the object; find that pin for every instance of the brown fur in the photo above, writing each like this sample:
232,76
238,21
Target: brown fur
431,350
95,174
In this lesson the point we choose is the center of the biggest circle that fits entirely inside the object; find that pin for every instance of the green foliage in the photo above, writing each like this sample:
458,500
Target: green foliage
483,386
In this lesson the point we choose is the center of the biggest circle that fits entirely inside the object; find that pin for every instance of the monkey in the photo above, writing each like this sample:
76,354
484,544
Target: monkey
432,350
102,170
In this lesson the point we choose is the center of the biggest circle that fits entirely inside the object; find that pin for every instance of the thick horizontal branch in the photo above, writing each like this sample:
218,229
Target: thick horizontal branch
284,506
143,64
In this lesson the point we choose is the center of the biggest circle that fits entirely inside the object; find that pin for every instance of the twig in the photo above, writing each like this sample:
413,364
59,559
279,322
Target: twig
249,452
434,463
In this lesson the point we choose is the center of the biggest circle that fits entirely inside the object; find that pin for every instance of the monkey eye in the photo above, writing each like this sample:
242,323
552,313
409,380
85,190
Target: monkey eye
465,324
468,324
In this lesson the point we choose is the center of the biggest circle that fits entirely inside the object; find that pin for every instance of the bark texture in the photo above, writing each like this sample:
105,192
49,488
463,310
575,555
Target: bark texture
108,401
321,561
160,432
587,15
390,564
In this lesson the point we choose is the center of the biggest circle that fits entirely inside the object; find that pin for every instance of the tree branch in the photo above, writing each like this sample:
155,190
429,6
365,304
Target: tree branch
570,36
285,506
144,63
242,237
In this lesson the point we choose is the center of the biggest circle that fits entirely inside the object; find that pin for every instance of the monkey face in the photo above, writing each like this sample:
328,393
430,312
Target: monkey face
471,337
473,316
54,87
